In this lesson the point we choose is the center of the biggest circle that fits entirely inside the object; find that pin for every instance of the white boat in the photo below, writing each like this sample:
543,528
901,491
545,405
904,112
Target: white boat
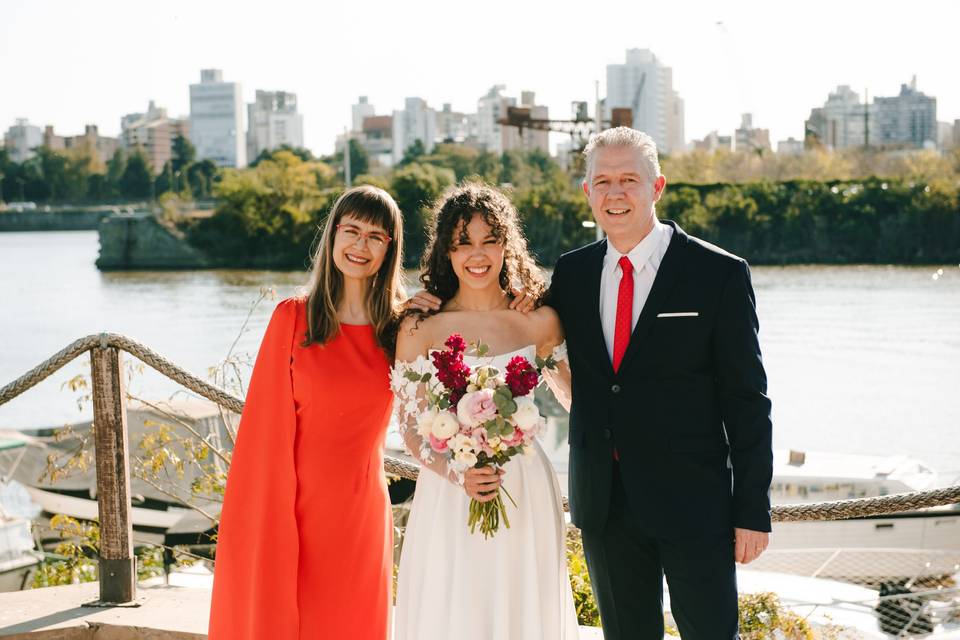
18,549
893,548
819,476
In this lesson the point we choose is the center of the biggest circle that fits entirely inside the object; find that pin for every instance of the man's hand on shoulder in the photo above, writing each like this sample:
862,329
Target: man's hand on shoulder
749,545
522,301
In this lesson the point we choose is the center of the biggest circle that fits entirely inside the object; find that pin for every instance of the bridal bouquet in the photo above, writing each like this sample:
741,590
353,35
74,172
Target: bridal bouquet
479,418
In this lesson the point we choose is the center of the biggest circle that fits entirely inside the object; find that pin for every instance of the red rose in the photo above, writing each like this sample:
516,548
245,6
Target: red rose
451,371
521,377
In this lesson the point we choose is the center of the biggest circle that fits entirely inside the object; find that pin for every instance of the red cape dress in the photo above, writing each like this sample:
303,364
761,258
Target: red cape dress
305,546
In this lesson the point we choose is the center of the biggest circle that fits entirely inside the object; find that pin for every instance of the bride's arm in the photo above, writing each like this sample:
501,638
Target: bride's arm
410,397
549,339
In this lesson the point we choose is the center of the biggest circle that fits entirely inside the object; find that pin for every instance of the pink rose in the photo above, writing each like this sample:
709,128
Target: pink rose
513,439
476,407
440,446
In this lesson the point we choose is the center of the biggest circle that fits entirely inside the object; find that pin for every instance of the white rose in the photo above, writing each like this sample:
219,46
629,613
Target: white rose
425,422
463,443
466,458
527,417
444,426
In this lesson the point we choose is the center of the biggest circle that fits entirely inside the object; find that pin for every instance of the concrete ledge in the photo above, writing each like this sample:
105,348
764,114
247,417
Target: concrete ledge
165,613
56,613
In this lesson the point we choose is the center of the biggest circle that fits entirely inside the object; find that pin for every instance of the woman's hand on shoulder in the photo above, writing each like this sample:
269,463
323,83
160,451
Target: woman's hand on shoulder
424,302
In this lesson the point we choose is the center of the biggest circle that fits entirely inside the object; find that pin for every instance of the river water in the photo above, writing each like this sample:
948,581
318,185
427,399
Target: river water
861,359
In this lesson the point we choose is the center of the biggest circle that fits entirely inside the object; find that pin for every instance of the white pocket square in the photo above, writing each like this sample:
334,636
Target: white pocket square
680,314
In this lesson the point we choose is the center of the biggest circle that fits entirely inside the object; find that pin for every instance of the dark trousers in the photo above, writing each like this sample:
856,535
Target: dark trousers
627,564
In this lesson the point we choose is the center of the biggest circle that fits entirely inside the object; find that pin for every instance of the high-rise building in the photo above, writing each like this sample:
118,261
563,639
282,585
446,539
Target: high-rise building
153,133
750,139
21,140
415,122
452,126
905,121
713,141
492,108
843,121
273,121
363,109
532,139
377,139
216,120
790,147
945,135
908,120
497,138
645,86
102,146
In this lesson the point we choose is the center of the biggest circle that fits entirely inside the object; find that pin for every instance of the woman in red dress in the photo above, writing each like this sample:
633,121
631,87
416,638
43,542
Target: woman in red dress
305,546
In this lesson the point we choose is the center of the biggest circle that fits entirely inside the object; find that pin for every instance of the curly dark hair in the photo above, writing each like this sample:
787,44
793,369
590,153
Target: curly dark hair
459,204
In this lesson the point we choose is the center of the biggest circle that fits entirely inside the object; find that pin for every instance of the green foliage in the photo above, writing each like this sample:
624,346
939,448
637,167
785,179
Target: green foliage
266,216
866,221
359,159
304,154
184,153
416,187
762,616
202,178
412,153
588,614
75,558
135,183
553,212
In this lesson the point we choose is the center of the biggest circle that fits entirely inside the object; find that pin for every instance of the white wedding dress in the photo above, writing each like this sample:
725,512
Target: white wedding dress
457,585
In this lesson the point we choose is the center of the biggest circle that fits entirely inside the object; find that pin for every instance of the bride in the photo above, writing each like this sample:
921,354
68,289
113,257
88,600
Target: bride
454,584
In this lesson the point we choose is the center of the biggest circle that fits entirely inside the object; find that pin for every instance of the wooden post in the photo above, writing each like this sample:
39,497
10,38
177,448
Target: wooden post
118,576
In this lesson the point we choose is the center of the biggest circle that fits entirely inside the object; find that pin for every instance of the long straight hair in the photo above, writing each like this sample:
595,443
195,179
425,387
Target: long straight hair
385,294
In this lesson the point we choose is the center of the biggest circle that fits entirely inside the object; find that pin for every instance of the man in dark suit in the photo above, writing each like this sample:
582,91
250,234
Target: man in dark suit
670,431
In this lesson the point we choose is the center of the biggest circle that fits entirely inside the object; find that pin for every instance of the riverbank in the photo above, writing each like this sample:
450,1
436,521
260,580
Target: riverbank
66,219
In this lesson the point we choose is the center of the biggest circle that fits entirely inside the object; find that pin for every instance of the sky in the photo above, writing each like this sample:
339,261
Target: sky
73,63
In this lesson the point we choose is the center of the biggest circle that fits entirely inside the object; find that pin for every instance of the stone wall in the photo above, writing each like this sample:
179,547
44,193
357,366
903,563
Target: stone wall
130,242
63,220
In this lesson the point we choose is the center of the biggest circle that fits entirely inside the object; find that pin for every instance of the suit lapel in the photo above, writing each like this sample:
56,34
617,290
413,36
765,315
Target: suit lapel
670,269
597,345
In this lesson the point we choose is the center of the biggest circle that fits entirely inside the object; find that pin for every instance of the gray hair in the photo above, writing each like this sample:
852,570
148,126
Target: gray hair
624,137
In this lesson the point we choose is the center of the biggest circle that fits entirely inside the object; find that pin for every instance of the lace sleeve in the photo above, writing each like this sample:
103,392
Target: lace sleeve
558,379
559,353
409,405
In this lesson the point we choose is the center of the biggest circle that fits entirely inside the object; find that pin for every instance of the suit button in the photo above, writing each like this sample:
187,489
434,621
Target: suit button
615,388
607,434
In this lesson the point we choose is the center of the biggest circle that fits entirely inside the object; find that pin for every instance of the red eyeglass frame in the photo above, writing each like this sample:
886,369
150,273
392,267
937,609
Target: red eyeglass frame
364,234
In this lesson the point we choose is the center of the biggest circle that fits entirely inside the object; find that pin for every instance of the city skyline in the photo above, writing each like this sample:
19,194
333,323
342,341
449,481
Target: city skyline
744,58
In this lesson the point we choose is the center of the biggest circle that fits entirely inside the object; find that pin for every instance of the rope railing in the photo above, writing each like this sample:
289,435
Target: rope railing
836,510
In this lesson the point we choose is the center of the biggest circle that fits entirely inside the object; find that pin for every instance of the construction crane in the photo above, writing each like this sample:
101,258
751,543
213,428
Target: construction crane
579,128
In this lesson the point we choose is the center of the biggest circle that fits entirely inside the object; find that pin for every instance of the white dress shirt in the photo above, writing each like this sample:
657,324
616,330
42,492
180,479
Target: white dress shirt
645,258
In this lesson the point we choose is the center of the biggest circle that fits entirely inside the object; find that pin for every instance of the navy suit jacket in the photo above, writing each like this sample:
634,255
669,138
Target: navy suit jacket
687,411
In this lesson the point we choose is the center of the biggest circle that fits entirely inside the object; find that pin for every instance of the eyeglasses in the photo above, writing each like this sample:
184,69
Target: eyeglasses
376,239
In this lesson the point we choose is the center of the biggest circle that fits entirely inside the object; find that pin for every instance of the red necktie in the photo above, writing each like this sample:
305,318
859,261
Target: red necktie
623,327
621,334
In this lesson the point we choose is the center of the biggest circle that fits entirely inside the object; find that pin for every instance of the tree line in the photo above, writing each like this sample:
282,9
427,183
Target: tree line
268,216
828,208
79,176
